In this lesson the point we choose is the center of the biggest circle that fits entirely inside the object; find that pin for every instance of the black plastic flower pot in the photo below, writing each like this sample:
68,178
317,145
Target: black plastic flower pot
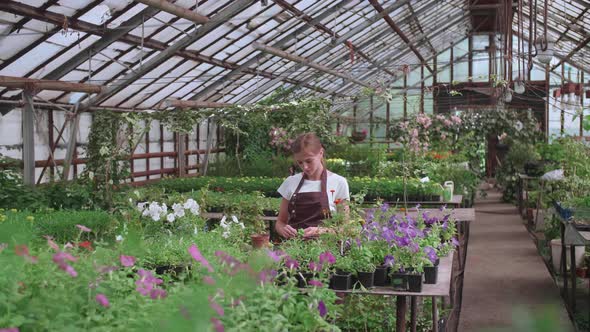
415,282
340,281
366,279
303,279
399,281
430,274
380,278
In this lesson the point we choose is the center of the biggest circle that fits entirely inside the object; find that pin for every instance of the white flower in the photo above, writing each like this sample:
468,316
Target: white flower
171,217
222,222
118,238
235,219
178,210
130,200
195,231
155,217
189,203
141,206
242,225
195,210
226,234
91,175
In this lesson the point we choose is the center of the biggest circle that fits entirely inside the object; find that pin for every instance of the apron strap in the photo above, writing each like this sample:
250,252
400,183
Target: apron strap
324,198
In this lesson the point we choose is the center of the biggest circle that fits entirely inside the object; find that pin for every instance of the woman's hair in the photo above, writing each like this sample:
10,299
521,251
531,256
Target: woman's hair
308,142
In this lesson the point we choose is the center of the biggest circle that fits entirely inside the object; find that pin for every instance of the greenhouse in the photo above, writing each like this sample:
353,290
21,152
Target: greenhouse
294,165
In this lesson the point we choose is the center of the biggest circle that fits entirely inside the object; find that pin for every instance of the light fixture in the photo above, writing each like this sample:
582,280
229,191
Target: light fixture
545,56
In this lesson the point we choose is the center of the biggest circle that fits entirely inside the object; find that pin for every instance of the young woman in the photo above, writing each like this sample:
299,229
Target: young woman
309,197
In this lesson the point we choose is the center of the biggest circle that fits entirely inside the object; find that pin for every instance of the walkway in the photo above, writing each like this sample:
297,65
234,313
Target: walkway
505,274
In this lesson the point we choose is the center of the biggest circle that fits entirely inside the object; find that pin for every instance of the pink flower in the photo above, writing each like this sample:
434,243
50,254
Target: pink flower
315,283
291,263
275,255
158,293
61,258
196,254
127,261
50,243
217,325
102,300
215,306
10,329
322,309
313,266
84,228
208,280
327,257
145,284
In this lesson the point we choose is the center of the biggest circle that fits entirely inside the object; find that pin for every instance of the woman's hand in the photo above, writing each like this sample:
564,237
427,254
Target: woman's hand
314,231
285,230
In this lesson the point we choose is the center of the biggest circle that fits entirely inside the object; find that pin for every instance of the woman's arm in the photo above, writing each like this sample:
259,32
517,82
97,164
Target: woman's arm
281,225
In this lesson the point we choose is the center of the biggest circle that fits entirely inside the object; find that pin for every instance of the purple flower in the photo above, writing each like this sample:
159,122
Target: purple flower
60,258
442,208
291,263
208,280
157,293
418,206
384,207
327,257
145,284
315,267
196,254
84,228
10,329
454,242
414,247
322,309
275,255
102,300
127,261
388,234
217,325
266,276
215,306
431,253
315,283
389,261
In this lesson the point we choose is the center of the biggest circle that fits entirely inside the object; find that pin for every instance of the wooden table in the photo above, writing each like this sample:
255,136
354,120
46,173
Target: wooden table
523,191
441,289
573,237
455,202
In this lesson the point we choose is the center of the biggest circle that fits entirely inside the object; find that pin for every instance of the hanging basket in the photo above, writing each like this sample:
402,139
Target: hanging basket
358,136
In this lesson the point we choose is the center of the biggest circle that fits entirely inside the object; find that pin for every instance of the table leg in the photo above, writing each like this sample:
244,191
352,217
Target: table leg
413,313
400,314
573,276
434,315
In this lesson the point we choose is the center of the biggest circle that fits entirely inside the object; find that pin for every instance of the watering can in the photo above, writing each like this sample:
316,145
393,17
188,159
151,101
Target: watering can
448,188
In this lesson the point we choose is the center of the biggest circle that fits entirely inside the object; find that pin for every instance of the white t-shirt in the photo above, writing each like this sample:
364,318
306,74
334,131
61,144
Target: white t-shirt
334,182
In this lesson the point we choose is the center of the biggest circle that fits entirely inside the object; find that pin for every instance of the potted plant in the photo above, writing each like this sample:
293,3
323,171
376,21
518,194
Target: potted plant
341,278
259,234
362,265
380,250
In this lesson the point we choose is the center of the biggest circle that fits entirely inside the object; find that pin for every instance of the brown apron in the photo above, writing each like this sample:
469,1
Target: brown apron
309,209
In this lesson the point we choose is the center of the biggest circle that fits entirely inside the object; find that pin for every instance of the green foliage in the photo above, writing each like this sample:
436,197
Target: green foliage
367,313
15,195
61,225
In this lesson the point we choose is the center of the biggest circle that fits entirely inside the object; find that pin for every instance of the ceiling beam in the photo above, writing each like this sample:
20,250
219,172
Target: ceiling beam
208,91
192,104
400,33
217,20
38,85
576,49
109,34
307,62
321,27
176,10
351,33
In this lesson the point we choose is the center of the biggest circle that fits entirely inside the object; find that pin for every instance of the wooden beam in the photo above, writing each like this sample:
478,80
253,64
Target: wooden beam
28,128
38,85
192,104
399,32
307,62
576,49
176,10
